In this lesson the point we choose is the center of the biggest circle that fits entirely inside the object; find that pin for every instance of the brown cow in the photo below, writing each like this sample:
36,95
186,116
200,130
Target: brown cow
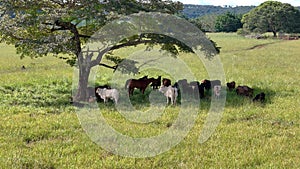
166,82
244,91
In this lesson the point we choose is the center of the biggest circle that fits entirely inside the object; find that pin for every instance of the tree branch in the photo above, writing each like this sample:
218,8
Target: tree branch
84,36
130,43
107,66
104,51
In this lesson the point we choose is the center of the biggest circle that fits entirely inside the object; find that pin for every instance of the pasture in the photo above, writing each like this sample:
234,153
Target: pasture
40,129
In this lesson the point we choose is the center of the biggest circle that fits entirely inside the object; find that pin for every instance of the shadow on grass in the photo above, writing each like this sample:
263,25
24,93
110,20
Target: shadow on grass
55,94
140,101
234,100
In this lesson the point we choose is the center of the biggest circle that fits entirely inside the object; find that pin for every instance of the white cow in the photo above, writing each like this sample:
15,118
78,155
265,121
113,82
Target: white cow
108,94
217,91
169,92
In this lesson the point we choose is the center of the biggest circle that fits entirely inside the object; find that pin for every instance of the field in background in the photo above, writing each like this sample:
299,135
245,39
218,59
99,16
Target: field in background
40,129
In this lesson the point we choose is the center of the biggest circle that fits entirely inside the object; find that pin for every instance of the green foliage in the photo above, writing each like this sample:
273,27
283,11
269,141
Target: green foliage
205,23
38,28
272,16
228,22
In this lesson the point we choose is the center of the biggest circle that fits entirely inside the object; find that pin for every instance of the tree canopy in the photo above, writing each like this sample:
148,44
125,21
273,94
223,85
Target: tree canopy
41,27
228,22
272,16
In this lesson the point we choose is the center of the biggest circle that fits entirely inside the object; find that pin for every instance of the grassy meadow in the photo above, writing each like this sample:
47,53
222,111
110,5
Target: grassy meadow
40,129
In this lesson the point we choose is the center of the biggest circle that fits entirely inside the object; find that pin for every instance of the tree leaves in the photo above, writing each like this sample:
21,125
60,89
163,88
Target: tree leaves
34,28
272,16
228,22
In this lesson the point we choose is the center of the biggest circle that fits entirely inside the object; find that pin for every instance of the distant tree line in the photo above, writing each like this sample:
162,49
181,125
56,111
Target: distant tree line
228,22
270,16
196,11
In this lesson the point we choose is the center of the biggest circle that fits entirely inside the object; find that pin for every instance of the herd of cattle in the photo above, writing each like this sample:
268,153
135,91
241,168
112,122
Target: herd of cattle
182,87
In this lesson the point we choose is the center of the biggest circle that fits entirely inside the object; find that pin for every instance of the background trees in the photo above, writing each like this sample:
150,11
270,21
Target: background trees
228,22
206,23
268,17
272,16
196,11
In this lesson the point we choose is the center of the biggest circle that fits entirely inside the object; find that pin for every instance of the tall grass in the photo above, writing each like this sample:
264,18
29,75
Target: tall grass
40,129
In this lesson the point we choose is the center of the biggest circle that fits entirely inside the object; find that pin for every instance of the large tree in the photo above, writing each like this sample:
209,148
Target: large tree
41,27
272,16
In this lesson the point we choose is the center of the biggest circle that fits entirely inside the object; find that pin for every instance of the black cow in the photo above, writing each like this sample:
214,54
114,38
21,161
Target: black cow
156,83
193,88
231,85
208,84
260,97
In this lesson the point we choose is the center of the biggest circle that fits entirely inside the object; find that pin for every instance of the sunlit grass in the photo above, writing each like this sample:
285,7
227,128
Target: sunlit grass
40,129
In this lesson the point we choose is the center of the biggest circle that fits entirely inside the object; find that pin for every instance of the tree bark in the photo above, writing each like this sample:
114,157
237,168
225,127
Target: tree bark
82,92
274,34
83,63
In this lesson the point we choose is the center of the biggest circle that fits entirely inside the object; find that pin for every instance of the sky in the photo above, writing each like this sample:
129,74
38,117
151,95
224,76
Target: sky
235,2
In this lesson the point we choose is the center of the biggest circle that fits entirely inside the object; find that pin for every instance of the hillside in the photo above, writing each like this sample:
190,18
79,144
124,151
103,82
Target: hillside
194,11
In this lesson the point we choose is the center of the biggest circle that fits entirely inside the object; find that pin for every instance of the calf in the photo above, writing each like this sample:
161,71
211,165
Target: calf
231,85
244,91
217,91
108,94
260,97
98,98
169,92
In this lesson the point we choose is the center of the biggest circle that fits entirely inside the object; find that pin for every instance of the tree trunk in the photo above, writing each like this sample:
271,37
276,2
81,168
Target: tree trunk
274,34
82,92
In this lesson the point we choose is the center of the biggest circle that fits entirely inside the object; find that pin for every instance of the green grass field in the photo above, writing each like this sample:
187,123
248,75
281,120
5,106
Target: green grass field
40,129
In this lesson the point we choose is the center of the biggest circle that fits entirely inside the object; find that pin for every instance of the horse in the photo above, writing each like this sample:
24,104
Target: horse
138,83
142,78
